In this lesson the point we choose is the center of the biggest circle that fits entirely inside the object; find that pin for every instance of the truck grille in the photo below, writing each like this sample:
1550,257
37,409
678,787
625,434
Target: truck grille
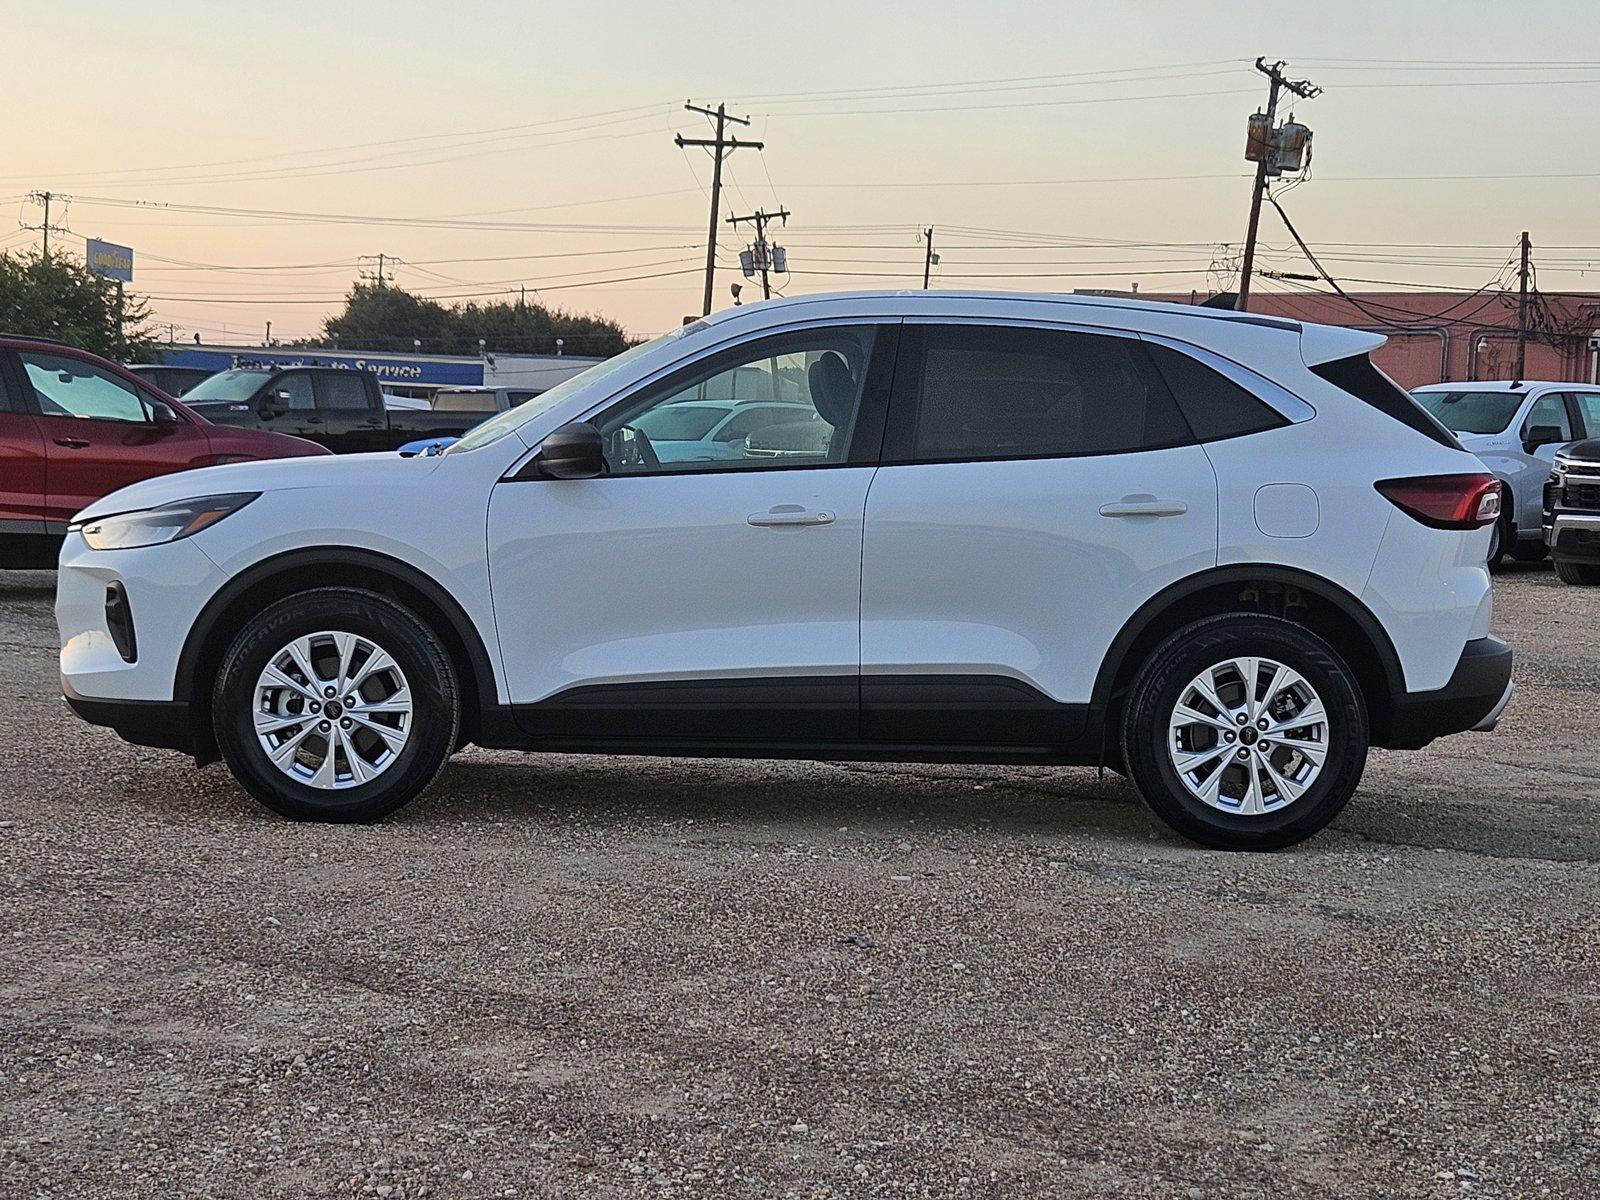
1582,496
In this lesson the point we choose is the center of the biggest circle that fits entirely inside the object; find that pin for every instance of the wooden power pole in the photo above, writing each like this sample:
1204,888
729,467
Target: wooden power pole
1522,308
720,147
1276,83
763,252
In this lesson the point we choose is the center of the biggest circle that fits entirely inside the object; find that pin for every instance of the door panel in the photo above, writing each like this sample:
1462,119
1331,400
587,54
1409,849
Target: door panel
1010,569
664,578
22,474
350,425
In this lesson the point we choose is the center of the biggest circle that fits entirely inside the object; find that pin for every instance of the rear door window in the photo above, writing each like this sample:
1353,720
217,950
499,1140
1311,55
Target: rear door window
1588,405
341,392
973,392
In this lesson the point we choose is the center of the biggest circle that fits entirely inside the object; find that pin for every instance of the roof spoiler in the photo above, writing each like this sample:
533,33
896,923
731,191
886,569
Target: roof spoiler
1328,343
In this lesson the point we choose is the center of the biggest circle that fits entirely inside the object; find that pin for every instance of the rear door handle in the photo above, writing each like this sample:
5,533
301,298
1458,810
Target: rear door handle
1144,506
790,514
72,443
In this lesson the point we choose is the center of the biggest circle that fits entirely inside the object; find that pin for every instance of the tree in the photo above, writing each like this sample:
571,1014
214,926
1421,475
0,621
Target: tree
390,318
58,297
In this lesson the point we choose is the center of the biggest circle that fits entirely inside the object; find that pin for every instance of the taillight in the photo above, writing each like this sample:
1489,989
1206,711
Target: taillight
1446,501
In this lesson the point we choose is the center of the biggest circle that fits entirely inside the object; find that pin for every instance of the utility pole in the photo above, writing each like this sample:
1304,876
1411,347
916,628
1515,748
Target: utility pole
46,228
379,259
720,147
1306,91
1522,308
268,341
928,258
763,253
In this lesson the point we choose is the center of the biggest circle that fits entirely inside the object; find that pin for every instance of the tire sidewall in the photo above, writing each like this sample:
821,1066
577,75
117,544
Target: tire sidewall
435,709
1171,668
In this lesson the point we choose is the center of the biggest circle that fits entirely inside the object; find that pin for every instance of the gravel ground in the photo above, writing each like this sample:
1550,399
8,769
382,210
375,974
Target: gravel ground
561,976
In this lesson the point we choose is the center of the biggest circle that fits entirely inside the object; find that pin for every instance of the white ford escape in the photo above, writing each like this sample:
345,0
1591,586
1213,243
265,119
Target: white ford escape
1222,553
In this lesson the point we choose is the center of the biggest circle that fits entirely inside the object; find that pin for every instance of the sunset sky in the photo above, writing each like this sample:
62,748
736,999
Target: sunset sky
490,144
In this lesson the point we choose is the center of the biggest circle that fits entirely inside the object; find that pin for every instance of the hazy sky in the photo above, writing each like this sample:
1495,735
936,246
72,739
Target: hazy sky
879,119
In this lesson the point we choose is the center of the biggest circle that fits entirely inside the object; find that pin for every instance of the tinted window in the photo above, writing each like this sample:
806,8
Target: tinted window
1589,411
986,392
1214,405
1472,412
70,387
292,392
1358,377
1549,410
342,391
821,373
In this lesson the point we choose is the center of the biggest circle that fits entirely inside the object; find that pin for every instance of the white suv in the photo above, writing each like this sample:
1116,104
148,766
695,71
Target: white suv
1220,552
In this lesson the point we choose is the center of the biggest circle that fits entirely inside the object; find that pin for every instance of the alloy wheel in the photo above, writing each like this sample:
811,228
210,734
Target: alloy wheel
1248,736
332,710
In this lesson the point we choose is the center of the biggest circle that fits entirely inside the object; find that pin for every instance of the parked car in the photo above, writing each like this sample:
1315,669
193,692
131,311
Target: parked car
336,407
696,431
1516,430
174,381
1572,513
427,447
1219,551
406,403
481,400
74,426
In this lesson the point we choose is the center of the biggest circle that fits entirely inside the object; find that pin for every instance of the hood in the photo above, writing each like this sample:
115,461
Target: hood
1585,452
348,471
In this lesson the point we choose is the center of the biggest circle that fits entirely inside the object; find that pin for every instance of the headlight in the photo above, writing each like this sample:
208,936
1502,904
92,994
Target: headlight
153,526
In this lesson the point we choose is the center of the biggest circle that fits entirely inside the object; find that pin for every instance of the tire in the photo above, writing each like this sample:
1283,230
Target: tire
1269,817
1581,574
1499,541
378,759
1529,552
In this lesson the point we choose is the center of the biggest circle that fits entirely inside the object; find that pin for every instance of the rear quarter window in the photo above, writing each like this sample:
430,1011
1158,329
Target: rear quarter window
1357,376
1215,406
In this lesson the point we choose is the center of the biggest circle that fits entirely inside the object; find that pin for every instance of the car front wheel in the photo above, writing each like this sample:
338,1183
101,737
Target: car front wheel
335,705
1245,732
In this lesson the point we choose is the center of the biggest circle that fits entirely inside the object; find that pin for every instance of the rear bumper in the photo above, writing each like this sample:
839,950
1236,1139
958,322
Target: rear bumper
1478,692
161,723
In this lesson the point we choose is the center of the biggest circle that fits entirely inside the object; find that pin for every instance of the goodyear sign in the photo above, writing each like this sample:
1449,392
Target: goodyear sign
109,259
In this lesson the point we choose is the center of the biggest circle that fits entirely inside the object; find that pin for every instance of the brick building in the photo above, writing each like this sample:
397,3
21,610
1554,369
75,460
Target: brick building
1436,336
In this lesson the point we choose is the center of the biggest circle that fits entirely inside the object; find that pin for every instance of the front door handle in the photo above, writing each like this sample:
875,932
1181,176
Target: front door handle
1144,506
72,443
789,514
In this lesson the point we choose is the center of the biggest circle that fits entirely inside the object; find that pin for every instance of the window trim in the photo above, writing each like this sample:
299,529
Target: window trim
899,444
866,443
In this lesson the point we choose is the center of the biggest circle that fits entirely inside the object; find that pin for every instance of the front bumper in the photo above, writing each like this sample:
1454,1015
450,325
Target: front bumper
1573,537
1478,692
162,723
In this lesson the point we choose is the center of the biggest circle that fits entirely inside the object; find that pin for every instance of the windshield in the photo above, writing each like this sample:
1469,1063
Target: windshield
229,386
679,422
498,426
1471,412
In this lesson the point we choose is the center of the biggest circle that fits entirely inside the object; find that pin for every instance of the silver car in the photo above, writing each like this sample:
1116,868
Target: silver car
1516,430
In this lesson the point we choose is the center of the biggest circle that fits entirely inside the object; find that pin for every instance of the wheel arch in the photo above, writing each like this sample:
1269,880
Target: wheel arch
330,566
1299,596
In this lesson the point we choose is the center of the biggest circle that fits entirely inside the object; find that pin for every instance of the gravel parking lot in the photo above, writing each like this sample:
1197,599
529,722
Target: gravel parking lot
560,976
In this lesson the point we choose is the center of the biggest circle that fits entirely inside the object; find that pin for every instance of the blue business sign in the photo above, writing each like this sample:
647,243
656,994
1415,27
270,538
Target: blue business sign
109,259
389,368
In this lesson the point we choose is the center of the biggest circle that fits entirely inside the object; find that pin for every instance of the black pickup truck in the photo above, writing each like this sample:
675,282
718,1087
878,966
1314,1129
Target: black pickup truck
340,408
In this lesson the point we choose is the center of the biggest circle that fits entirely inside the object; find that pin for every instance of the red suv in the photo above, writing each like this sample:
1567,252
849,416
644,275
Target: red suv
74,427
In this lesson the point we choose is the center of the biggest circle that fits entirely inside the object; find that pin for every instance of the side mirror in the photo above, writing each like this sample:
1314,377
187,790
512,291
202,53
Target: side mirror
163,415
574,451
1543,435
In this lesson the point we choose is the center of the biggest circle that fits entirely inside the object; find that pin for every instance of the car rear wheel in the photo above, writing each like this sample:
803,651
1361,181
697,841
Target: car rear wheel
335,705
1582,574
1245,732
